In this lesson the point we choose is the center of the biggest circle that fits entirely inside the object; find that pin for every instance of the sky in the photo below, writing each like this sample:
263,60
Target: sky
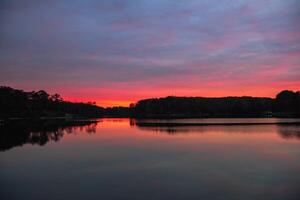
115,52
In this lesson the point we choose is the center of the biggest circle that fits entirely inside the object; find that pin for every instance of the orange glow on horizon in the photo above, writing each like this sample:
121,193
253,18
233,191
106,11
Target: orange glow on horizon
124,96
102,103
114,101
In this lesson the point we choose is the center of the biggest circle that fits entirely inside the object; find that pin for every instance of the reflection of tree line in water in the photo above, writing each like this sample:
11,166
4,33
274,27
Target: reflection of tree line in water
18,133
285,131
289,132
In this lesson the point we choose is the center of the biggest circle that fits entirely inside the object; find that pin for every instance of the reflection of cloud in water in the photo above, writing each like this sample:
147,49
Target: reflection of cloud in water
18,133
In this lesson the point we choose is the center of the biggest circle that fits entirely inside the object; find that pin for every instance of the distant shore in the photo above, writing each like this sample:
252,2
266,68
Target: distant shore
18,104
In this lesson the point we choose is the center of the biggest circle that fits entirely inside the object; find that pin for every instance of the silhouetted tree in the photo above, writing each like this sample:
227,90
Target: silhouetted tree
56,98
288,102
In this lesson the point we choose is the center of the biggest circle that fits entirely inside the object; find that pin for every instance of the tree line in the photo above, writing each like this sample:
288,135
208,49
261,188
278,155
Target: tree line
18,103
286,104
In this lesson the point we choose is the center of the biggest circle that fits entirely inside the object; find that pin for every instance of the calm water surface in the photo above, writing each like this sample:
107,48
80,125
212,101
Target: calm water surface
116,159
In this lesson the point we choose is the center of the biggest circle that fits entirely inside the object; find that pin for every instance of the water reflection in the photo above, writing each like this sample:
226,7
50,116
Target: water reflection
175,127
285,131
118,159
289,132
18,133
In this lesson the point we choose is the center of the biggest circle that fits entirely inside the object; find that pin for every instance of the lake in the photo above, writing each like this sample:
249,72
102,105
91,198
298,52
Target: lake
122,159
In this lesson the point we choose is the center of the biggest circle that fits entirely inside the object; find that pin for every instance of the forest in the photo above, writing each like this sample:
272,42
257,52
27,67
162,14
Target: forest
286,104
16,103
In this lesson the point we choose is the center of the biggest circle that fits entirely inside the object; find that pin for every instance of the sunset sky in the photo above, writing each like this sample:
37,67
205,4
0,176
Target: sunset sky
115,52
